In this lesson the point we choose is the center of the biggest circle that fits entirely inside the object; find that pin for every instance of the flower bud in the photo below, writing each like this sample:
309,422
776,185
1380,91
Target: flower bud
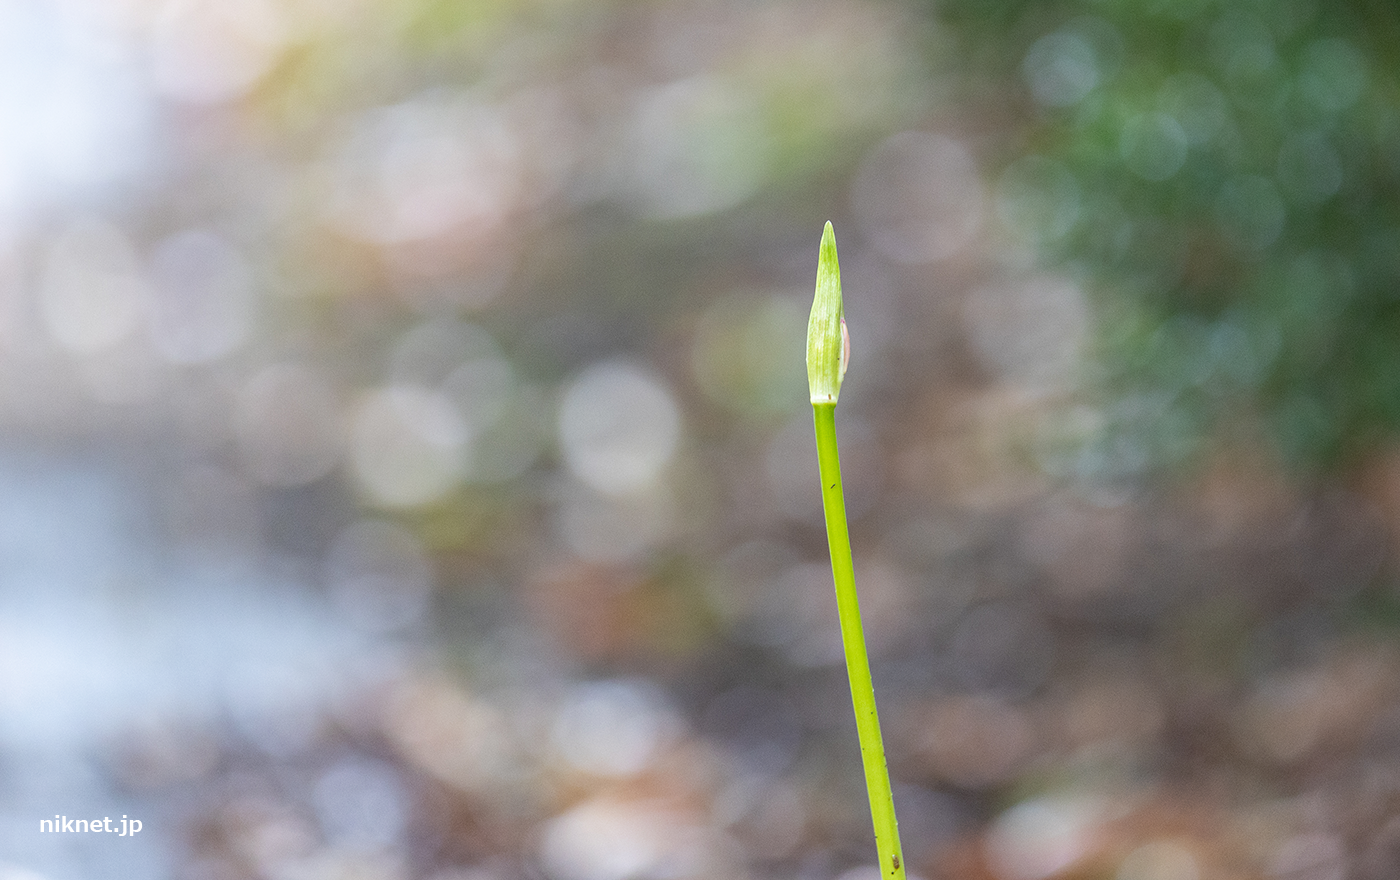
828,343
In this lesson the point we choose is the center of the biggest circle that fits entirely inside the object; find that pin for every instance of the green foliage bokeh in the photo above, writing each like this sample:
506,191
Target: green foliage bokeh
1225,178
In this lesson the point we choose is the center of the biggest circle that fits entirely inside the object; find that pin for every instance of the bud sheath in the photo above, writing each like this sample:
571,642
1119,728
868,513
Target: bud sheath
828,347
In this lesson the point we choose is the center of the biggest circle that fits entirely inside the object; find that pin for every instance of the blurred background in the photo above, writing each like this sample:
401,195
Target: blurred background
406,470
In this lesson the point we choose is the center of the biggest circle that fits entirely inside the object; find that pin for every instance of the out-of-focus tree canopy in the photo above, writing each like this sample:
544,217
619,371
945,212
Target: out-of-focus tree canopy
1225,176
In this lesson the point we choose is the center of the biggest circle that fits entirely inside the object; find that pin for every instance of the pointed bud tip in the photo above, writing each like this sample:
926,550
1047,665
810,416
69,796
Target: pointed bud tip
826,256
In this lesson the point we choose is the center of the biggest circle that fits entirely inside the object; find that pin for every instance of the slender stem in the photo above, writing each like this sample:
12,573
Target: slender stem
872,746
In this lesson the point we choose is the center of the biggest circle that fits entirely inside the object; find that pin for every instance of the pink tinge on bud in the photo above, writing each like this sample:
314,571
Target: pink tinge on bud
845,350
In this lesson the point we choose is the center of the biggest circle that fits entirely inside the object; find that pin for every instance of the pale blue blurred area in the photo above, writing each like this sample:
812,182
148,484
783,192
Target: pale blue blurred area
109,631
75,118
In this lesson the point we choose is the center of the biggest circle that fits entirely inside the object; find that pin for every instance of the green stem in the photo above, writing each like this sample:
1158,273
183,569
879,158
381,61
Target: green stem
872,746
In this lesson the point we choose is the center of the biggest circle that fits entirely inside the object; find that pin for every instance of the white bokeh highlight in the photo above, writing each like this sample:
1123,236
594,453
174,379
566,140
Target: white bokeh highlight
408,445
618,428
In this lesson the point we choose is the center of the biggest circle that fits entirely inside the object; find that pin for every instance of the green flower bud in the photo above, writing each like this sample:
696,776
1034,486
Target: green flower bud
828,344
